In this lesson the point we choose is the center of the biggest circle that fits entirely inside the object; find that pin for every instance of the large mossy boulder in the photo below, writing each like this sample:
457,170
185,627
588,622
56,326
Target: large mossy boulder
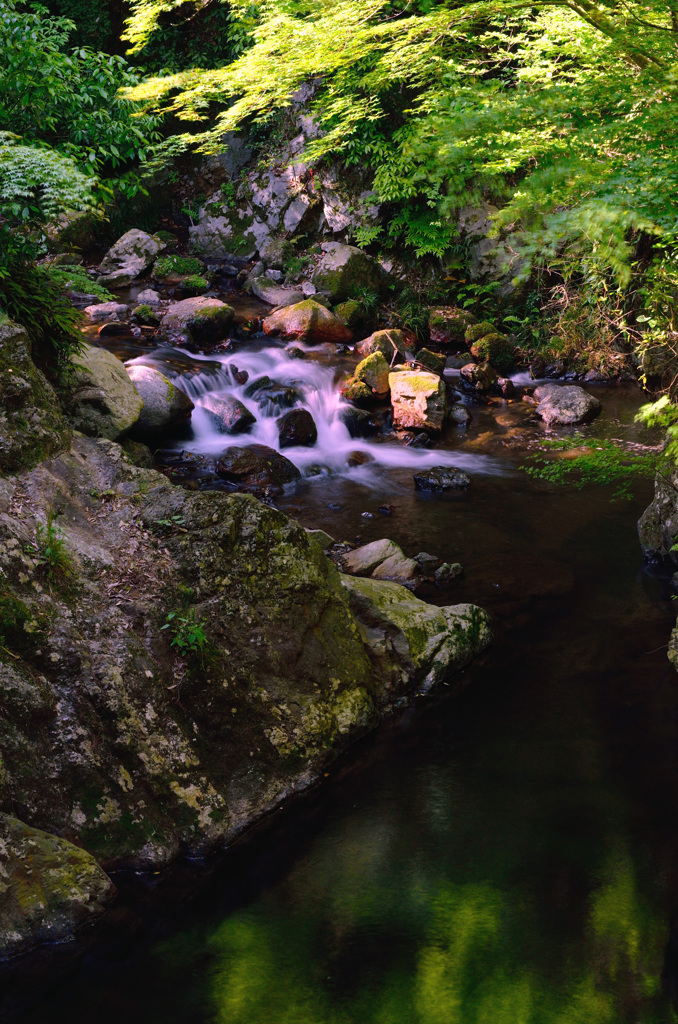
197,323
103,401
344,269
49,889
131,255
418,400
164,405
138,753
308,322
31,424
391,344
496,349
566,406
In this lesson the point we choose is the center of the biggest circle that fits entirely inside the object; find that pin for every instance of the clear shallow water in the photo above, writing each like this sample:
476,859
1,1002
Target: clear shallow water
508,855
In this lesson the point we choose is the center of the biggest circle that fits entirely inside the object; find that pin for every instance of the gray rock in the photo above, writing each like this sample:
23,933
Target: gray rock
197,322
104,401
429,563
308,289
107,311
481,376
212,236
459,415
364,560
164,404
399,569
344,268
566,406
226,413
148,297
49,889
132,254
390,343
274,294
441,478
418,400
115,280
274,275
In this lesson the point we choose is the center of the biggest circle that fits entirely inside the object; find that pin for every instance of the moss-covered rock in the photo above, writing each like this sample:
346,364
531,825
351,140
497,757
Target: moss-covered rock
174,269
447,325
474,332
391,344
103,401
418,400
374,371
194,285
131,255
496,349
197,322
307,321
351,314
343,269
31,424
431,360
163,405
356,391
49,889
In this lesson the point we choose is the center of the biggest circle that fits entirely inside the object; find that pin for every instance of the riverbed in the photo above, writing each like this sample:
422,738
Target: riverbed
507,854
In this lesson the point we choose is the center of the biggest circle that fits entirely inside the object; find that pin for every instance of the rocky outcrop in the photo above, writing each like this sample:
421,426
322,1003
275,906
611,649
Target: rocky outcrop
164,405
197,323
31,424
131,255
309,322
49,889
658,525
565,406
418,400
343,269
103,401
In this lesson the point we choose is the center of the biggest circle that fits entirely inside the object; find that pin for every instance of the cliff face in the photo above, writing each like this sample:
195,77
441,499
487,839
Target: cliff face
136,749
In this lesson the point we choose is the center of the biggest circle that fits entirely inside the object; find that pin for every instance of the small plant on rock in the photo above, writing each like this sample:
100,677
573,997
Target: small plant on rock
189,636
52,553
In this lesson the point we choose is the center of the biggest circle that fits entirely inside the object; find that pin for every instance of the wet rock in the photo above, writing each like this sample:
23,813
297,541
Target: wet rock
418,400
164,405
658,525
439,640
258,384
447,573
356,391
270,395
49,888
226,413
565,406
257,468
110,330
374,372
360,422
506,386
139,454
103,401
355,459
275,294
107,311
399,569
295,353
441,478
197,322
351,315
307,321
131,255
421,440
431,360
459,415
390,343
480,376
429,563
343,268
447,325
297,428
31,424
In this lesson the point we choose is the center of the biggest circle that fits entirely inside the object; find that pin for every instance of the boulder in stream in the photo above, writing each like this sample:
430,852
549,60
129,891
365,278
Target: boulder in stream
390,343
343,268
131,255
197,322
383,560
307,321
165,406
275,294
297,427
374,372
418,400
103,401
257,469
107,311
565,406
480,376
441,478
227,413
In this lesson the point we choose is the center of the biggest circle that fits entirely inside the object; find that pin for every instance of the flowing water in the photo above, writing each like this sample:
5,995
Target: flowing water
507,855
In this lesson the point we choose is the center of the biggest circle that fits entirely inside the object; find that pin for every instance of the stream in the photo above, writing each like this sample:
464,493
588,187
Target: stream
503,855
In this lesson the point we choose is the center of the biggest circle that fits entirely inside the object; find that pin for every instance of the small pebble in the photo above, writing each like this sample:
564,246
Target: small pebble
386,510
366,515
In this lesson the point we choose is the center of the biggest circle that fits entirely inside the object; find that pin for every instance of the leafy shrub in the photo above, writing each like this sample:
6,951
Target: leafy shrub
76,279
52,553
188,635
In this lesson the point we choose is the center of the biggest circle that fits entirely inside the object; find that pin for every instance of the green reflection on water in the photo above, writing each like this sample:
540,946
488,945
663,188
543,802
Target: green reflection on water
467,956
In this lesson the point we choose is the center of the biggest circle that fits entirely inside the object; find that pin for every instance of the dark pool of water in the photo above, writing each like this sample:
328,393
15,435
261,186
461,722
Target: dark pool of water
504,856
